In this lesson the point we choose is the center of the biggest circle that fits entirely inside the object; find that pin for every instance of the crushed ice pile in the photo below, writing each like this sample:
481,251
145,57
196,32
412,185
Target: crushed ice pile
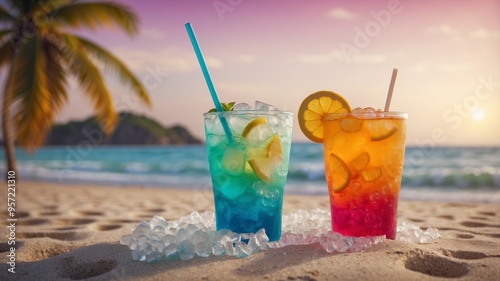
195,235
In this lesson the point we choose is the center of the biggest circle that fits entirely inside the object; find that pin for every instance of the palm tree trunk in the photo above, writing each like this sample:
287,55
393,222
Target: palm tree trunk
8,134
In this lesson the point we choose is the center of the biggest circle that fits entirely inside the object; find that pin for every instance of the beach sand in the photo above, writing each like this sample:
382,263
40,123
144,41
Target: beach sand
72,233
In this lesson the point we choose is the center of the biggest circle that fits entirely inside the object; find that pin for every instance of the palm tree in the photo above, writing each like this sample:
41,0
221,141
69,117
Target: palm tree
39,54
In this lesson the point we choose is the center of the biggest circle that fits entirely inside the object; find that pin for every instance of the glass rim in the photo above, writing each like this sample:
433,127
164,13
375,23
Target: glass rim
248,112
367,115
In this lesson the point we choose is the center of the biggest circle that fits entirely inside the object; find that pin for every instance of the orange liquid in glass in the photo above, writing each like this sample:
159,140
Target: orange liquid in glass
364,158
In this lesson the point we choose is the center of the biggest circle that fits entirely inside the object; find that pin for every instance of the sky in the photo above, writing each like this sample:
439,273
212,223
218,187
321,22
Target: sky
279,52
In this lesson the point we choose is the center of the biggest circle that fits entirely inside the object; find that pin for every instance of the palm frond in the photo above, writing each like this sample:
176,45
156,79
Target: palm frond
28,88
48,6
4,33
93,15
89,77
6,16
21,6
56,75
113,64
6,53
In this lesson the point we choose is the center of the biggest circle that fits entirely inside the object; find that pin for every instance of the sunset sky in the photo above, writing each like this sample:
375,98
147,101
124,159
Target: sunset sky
447,53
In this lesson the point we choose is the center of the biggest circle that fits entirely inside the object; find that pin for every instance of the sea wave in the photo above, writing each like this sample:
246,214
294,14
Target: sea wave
442,177
446,169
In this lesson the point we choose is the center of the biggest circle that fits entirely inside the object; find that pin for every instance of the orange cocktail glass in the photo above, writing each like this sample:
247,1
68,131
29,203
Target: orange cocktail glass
364,156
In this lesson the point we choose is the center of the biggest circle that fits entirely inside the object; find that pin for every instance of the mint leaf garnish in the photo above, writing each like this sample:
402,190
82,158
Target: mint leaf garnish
225,107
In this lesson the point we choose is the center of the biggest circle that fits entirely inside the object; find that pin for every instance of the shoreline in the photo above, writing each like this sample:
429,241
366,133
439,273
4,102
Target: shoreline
433,194
68,232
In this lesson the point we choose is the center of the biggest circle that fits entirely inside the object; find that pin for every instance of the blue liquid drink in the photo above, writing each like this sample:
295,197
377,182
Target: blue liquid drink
249,170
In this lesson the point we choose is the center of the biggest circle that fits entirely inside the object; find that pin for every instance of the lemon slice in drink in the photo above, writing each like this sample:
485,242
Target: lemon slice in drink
314,108
371,174
380,129
264,166
351,124
339,172
360,162
257,129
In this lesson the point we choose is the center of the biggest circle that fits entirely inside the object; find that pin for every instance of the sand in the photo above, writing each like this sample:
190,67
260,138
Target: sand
72,232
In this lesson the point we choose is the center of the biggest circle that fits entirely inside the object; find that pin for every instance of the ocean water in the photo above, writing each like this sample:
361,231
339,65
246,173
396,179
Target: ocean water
470,174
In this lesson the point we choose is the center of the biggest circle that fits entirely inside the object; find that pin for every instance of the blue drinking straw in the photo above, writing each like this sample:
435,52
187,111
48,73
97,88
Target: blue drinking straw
210,85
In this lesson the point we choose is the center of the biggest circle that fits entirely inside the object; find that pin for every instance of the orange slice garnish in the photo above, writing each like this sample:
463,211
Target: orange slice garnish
314,108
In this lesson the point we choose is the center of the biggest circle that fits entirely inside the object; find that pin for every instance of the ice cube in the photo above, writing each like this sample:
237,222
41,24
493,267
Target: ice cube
168,239
138,255
241,106
258,105
424,239
234,160
262,237
232,188
433,233
274,244
133,245
430,234
186,250
344,244
181,235
369,110
357,110
154,257
218,248
157,234
229,247
254,244
208,219
142,241
126,240
236,124
158,221
170,249
412,233
148,249
242,250
191,228
289,239
143,228
202,243
196,235
157,245
193,218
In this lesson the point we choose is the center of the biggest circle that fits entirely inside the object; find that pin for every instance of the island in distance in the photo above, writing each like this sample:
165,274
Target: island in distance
132,129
